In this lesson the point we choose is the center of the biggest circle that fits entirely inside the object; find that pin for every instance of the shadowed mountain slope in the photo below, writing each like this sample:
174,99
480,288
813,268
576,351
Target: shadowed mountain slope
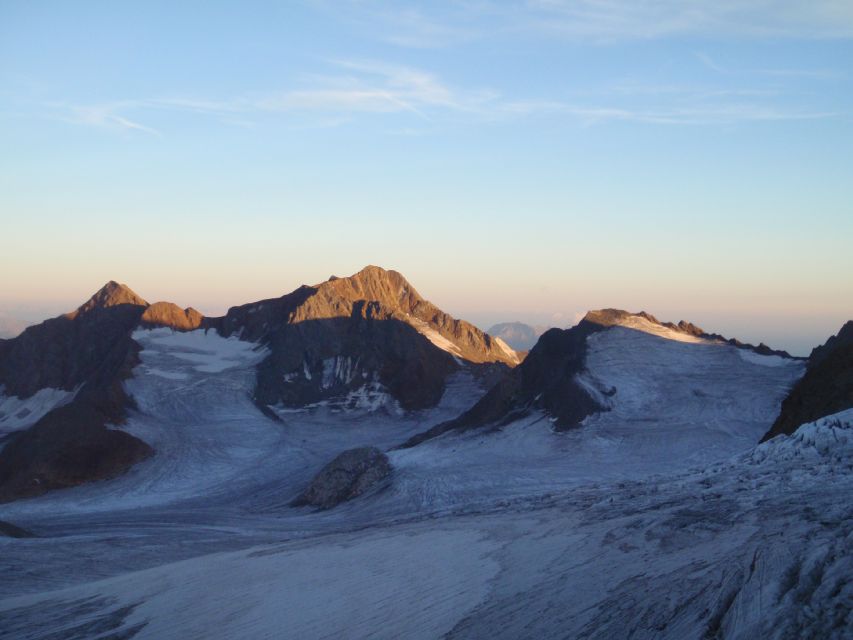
86,353
825,389
373,327
555,379
62,381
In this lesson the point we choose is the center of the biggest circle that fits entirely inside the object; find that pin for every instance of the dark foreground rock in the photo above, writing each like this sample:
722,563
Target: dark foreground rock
89,350
9,530
346,477
826,388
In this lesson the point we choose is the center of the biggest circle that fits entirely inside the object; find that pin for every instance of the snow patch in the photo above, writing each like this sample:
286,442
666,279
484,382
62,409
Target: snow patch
764,360
433,336
338,370
19,413
206,350
639,323
508,351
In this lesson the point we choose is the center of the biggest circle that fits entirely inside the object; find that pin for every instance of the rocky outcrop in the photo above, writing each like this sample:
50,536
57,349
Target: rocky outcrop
328,341
9,530
168,314
332,338
545,381
349,475
89,350
68,447
548,381
825,389
111,294
618,317
64,352
843,338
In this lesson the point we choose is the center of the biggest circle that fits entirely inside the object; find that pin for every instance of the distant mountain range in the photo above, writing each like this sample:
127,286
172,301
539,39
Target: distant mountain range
371,342
371,330
518,335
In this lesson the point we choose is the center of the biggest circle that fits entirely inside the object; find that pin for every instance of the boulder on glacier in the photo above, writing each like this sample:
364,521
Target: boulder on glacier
348,476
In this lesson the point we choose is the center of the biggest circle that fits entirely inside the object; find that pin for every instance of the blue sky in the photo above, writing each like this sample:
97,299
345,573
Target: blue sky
515,160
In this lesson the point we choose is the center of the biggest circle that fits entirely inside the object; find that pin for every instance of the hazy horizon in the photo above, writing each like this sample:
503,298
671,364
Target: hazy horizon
774,331
515,161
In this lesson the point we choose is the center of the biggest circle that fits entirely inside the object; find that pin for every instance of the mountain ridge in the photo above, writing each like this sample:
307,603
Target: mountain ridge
550,378
372,329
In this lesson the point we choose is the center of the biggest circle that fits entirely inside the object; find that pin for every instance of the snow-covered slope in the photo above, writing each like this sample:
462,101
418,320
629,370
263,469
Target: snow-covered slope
656,518
630,378
758,545
19,413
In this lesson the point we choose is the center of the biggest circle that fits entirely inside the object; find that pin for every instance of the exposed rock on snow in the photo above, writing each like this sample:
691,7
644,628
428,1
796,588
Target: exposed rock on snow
646,371
168,314
348,476
88,352
11,531
364,343
19,413
826,388
377,323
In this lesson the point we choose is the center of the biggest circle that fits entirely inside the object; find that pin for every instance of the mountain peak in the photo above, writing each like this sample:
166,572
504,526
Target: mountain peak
373,283
110,295
616,317
647,323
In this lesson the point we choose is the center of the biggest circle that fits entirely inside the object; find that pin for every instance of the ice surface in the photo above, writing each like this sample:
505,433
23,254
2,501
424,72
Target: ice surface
747,547
645,522
209,352
19,413
767,361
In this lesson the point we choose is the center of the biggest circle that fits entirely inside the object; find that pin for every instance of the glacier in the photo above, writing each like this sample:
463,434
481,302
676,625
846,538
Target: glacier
643,522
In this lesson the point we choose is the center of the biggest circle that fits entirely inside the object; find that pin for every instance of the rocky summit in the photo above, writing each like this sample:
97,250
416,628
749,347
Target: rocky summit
359,342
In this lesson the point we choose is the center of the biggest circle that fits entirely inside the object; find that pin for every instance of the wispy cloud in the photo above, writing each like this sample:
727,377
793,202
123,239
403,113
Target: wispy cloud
358,86
353,88
814,74
106,116
598,21
711,114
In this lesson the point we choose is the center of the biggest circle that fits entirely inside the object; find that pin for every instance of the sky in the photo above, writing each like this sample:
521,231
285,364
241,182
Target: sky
515,160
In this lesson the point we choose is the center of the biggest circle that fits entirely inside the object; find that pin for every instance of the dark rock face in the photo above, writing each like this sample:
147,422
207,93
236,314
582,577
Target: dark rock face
64,352
325,341
319,359
69,446
843,338
11,531
826,388
90,349
348,476
332,338
545,380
